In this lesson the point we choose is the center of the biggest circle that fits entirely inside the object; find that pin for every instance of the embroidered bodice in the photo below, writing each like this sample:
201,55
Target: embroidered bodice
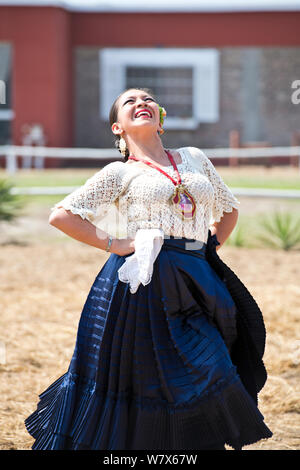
124,197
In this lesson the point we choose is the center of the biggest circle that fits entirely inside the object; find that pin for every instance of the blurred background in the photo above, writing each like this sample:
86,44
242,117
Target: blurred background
228,74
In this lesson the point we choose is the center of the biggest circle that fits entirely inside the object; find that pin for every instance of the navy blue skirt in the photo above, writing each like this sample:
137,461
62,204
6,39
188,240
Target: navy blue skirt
152,370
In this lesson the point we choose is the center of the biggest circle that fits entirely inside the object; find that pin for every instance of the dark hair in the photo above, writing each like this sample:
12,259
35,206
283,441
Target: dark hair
113,115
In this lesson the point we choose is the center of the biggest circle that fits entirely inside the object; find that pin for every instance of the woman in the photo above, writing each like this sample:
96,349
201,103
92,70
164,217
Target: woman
152,364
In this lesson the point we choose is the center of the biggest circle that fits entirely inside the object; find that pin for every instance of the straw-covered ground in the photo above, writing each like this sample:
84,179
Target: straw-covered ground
44,283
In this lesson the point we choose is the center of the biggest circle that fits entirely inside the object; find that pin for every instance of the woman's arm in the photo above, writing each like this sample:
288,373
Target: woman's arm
223,229
85,232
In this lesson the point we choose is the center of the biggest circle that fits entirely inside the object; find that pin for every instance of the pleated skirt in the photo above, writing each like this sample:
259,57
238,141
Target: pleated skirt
152,370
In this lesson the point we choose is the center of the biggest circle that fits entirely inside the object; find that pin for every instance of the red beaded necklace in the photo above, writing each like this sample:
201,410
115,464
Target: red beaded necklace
182,201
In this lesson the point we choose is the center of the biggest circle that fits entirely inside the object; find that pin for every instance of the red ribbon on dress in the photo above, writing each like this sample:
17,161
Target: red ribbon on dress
182,199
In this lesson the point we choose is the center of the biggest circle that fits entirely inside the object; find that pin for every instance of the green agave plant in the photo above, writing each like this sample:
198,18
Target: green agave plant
9,203
280,230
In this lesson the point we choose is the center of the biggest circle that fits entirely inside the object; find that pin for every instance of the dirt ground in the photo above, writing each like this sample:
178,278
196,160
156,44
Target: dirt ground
45,279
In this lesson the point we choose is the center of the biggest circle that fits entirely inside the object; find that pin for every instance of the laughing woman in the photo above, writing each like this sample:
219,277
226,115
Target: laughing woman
169,351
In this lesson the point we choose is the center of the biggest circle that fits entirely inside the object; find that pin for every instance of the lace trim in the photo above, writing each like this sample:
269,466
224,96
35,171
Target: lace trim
84,213
228,209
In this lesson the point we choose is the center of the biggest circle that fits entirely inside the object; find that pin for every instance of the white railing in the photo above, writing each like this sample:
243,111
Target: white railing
11,152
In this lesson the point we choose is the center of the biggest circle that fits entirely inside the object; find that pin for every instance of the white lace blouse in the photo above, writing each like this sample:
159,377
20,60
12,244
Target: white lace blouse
122,197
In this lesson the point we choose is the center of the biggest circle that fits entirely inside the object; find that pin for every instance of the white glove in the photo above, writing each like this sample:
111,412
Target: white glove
138,267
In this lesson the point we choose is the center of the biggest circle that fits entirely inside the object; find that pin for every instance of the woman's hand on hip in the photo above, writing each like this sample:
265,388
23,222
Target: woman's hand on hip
122,246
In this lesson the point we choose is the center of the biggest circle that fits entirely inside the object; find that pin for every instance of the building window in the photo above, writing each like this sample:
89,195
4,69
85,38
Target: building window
173,86
184,81
6,113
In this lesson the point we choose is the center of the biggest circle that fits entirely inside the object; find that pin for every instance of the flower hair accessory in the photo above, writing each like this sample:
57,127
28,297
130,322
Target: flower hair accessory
162,115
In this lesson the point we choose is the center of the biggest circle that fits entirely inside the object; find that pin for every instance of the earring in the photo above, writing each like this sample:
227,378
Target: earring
122,146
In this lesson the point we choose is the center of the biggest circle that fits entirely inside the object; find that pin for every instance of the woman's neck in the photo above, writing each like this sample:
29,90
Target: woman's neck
148,149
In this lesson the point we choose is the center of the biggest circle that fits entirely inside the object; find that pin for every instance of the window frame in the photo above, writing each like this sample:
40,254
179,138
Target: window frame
7,114
205,65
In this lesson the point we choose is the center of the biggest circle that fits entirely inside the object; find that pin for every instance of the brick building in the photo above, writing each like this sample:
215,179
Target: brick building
213,68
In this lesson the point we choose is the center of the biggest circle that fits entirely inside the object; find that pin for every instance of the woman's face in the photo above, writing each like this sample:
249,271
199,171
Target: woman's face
136,110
